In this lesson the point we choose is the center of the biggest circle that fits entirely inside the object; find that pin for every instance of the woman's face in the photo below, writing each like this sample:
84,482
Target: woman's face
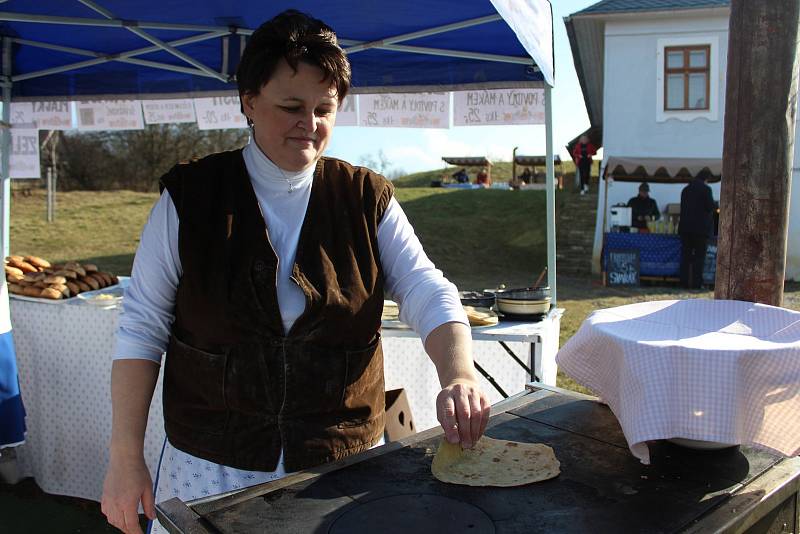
293,115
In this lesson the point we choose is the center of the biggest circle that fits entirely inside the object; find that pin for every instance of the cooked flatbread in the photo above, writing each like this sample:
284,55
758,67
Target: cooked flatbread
480,316
494,462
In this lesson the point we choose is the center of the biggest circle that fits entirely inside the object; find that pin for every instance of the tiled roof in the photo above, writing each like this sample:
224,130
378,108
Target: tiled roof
623,6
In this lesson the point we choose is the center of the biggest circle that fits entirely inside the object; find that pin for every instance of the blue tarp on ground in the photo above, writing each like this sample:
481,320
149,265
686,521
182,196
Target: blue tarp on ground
353,20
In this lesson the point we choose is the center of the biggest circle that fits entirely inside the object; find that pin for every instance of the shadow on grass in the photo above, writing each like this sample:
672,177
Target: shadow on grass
118,264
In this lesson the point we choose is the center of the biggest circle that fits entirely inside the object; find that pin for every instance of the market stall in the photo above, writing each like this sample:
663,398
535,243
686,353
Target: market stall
85,52
659,245
463,162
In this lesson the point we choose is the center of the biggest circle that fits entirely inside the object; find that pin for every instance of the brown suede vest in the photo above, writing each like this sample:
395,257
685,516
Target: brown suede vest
237,388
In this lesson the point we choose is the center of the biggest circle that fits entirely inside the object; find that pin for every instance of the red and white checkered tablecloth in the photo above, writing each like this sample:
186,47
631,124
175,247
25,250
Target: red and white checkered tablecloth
711,370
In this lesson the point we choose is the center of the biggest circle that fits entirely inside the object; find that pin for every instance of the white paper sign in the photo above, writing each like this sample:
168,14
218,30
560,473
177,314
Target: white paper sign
219,112
110,115
347,114
53,115
405,110
532,22
21,113
24,158
170,111
498,106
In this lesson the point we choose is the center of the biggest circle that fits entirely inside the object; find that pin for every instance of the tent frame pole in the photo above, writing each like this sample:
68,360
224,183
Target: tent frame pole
113,23
551,193
158,42
422,33
104,58
5,143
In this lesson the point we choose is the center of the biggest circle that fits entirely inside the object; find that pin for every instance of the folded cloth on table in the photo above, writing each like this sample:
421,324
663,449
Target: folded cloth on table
710,370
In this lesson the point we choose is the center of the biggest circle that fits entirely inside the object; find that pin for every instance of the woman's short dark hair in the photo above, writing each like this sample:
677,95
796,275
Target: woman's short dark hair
294,37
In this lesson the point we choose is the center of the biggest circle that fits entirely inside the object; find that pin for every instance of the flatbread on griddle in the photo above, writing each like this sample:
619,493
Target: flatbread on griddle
494,462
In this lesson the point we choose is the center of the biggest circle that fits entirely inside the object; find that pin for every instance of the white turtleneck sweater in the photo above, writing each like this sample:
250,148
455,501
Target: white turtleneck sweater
426,299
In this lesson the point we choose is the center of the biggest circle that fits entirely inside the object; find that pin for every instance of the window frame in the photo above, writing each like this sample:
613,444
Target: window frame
686,70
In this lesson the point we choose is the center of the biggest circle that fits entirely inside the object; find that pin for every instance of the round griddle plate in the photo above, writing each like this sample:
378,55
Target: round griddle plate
413,514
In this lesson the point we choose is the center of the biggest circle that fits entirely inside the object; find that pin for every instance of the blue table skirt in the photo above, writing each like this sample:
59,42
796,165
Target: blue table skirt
659,254
12,412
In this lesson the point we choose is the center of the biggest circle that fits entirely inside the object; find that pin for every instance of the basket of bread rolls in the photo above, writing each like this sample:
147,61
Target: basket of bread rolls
32,276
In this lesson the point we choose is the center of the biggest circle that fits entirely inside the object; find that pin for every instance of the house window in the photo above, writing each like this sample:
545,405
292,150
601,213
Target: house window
686,77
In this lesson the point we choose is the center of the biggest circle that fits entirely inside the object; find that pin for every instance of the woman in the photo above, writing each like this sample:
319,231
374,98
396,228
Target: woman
582,155
262,273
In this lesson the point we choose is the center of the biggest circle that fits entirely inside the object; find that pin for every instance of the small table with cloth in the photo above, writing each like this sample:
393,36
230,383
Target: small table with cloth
707,370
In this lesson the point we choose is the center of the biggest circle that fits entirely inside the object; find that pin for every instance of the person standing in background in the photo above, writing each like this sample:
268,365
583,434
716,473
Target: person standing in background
643,208
483,178
695,227
582,156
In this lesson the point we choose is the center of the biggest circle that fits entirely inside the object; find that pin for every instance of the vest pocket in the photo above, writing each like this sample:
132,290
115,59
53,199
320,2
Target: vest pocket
364,388
194,388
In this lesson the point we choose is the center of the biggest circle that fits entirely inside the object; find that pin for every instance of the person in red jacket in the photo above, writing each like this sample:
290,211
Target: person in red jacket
483,178
582,156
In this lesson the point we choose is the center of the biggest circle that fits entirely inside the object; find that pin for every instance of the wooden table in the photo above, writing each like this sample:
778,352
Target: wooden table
601,488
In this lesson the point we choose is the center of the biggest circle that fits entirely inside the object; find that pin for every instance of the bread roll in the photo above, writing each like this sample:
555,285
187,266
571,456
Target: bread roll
50,293
75,266
73,287
72,275
16,289
36,261
83,286
63,289
100,279
14,258
34,277
55,279
14,270
90,281
32,291
90,267
24,266
107,277
14,278
40,284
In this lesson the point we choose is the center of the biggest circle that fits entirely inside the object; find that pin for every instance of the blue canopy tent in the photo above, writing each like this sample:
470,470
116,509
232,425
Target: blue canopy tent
144,49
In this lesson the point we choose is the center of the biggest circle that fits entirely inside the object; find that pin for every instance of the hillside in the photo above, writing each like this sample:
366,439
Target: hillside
501,172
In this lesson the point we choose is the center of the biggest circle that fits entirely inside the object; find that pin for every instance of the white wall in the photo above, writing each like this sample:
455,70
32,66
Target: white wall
632,126
793,243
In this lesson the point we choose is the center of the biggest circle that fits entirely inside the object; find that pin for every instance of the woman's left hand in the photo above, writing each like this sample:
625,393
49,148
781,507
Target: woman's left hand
463,411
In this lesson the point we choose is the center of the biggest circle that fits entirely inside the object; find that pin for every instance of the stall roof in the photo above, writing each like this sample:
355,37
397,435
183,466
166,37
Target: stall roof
85,49
537,161
468,161
661,170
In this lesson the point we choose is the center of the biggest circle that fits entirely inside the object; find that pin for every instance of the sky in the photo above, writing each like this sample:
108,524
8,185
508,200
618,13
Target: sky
417,149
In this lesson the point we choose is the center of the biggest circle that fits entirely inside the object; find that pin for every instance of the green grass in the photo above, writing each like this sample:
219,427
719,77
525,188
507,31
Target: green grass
480,238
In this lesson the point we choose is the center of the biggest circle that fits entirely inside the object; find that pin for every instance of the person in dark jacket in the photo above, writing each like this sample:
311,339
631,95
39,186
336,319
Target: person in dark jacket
695,227
643,207
582,156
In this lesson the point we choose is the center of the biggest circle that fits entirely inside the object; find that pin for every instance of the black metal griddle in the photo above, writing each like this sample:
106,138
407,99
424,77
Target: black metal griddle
601,488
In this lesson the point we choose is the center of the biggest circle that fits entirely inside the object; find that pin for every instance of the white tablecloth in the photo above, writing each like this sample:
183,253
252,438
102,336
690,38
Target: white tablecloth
63,353
709,370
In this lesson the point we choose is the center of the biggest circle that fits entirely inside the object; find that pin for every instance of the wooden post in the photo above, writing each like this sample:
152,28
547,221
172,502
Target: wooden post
760,106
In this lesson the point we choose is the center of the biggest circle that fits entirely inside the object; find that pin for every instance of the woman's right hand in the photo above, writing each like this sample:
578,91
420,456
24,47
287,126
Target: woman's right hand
127,484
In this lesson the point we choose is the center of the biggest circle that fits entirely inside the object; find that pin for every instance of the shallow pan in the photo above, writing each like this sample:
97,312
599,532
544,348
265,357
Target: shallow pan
525,293
478,299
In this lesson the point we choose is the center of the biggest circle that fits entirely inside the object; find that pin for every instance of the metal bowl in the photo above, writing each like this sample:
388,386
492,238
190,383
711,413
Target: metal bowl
478,299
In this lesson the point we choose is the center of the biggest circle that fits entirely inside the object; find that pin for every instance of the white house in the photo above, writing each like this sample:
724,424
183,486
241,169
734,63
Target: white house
653,78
